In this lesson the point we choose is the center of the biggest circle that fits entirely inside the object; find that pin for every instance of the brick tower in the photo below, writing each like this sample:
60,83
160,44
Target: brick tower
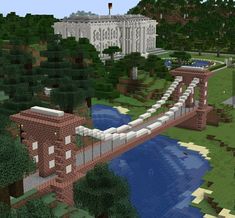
188,73
49,137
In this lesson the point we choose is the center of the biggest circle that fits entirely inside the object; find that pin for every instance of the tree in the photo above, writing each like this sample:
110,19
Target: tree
55,69
35,209
111,50
105,90
219,45
13,70
152,63
133,61
15,164
19,81
101,191
199,46
181,56
68,96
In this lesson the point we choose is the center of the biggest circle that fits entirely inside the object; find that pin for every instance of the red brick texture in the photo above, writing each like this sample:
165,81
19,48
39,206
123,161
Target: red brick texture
51,131
199,121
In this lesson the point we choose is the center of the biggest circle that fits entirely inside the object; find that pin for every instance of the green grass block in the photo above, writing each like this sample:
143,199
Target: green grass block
26,195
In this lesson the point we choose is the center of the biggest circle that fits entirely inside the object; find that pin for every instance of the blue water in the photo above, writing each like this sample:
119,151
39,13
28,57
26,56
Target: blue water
160,175
195,63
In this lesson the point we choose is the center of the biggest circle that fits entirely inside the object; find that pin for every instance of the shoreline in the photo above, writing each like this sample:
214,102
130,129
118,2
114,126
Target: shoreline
201,193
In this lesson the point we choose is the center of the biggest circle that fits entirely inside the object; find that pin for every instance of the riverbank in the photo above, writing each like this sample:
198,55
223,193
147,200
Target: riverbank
202,194
220,180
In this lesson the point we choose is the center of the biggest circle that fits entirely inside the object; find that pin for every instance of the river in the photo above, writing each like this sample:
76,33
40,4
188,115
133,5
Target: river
161,174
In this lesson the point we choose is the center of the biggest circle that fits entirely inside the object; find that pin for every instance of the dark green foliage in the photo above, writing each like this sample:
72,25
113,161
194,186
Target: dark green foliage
68,96
4,123
30,29
132,60
13,70
103,193
35,209
111,51
32,209
181,56
5,211
56,68
15,161
20,81
154,64
206,21
105,90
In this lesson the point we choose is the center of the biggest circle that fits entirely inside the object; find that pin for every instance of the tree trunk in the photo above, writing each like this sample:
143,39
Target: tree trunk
16,189
218,53
4,195
199,52
152,72
88,102
112,57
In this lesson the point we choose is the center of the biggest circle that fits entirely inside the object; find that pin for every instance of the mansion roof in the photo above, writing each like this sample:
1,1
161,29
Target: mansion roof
106,18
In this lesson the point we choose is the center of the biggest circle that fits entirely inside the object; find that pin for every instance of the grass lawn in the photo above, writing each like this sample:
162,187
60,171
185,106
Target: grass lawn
203,56
222,161
220,86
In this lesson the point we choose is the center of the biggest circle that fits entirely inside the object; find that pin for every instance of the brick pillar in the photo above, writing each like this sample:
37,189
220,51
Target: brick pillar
65,160
178,92
201,112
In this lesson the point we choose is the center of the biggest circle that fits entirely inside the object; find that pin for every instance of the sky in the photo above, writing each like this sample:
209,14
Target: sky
62,8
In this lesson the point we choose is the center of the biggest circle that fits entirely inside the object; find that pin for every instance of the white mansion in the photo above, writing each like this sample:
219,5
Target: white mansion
132,33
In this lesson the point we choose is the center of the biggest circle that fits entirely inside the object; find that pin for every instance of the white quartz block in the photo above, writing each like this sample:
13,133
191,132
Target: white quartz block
130,135
161,102
107,136
156,106
188,91
183,97
115,136
110,130
169,113
135,122
163,119
166,95
79,128
145,116
174,109
141,132
122,136
154,126
96,130
171,88
151,110
85,132
90,132
122,128
164,98
47,111
169,92
179,78
179,104
102,136
175,83
182,101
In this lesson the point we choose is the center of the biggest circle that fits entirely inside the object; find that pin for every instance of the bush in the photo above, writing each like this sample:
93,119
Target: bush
216,67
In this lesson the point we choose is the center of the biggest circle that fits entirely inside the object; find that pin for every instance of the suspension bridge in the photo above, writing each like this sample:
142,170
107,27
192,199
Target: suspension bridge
50,134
